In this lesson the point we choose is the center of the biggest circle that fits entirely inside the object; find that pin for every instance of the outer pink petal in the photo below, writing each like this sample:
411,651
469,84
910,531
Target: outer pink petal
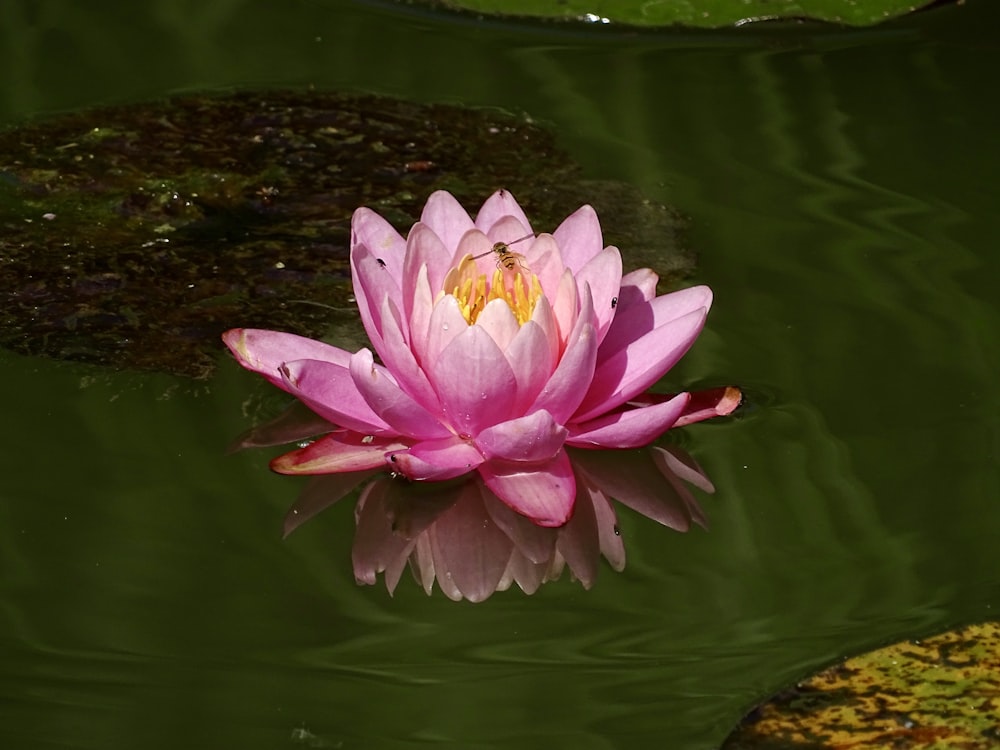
579,237
446,218
639,284
335,453
474,382
436,460
545,261
370,230
545,494
329,390
612,545
534,438
604,275
498,205
392,404
579,542
639,365
265,352
371,284
632,322
562,394
631,428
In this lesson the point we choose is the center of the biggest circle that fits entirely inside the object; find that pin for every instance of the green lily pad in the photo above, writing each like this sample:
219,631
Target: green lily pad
698,13
939,692
134,236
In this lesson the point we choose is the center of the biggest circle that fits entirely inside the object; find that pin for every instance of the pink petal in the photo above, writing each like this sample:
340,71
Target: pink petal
612,545
420,316
371,285
630,428
474,382
562,394
436,460
533,438
639,284
424,250
717,402
391,403
329,390
446,218
446,324
579,237
674,462
603,273
335,453
377,547
498,205
400,361
545,493
498,320
371,231
632,322
531,359
264,352
640,364
545,261
566,304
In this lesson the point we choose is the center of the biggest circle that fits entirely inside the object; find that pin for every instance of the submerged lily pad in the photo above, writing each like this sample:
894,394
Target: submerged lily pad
133,236
697,13
933,693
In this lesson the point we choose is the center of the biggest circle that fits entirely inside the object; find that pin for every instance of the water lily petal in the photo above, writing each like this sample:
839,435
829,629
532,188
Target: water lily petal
531,359
629,428
444,458
424,252
444,215
329,390
498,320
579,543
544,493
562,394
391,403
378,236
612,545
497,206
632,322
401,361
337,452
640,364
264,352
579,237
446,324
474,381
535,542
545,261
536,437
603,273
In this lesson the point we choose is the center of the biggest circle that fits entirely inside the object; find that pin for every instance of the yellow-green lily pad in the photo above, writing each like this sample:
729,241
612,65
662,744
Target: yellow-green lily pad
939,692
698,13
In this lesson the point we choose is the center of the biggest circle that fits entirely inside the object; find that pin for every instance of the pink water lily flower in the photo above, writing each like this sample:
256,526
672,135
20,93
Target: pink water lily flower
494,349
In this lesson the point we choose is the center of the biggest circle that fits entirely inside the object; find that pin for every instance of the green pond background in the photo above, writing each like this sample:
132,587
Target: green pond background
841,192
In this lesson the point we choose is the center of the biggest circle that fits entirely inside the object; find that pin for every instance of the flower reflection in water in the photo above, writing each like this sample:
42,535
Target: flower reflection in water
460,535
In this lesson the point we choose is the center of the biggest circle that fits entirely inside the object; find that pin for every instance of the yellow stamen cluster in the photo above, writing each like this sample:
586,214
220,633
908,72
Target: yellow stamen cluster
516,286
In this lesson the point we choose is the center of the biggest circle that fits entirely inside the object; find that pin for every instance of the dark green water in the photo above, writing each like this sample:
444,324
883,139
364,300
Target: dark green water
841,188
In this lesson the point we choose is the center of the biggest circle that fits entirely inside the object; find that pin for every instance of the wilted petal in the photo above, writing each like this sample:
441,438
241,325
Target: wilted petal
543,493
264,352
337,452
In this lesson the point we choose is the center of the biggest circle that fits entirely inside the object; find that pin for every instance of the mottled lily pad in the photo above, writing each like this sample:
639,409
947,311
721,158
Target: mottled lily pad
940,692
695,13
133,236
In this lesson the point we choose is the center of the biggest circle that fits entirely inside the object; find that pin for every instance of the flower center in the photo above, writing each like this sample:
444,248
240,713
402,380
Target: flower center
511,282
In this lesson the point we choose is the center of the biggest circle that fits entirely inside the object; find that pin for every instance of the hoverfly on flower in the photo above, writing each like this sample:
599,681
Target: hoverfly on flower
505,256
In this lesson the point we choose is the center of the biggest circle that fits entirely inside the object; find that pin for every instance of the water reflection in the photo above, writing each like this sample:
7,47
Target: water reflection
460,536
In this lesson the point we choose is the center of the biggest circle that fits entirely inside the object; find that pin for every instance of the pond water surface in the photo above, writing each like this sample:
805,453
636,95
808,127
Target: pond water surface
840,188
